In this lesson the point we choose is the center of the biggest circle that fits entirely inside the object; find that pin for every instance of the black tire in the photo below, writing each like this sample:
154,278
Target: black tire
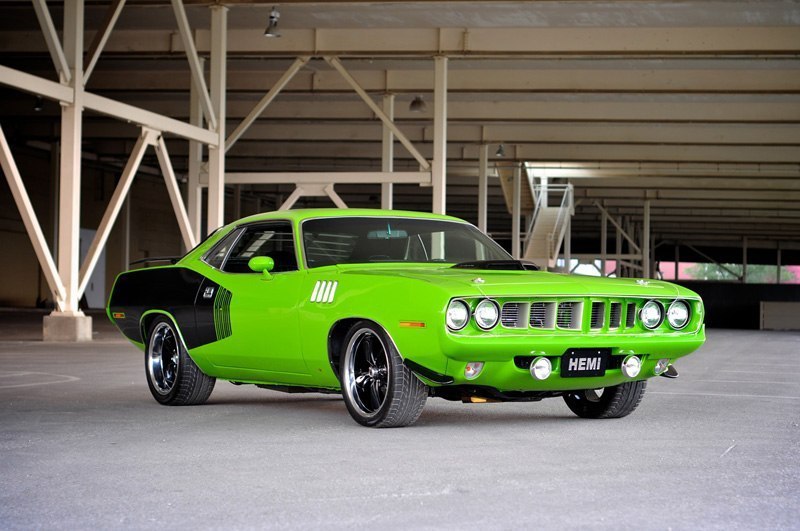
610,403
172,376
378,390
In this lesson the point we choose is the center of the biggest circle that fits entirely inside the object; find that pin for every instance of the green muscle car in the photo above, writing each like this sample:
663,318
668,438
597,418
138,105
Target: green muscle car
389,308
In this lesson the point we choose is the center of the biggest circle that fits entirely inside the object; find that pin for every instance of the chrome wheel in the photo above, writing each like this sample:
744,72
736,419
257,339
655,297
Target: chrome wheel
366,372
163,358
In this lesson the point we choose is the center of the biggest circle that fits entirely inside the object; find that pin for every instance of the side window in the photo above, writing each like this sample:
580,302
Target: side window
216,256
268,239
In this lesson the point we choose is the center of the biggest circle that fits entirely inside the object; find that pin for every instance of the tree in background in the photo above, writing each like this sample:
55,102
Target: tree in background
756,274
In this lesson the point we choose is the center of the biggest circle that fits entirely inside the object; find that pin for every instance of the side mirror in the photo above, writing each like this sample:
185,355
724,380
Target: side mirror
262,264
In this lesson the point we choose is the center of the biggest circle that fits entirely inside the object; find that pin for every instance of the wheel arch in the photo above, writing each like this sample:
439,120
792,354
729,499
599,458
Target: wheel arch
337,334
147,318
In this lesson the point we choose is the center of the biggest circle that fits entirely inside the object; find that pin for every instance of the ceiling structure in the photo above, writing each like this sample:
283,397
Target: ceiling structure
694,106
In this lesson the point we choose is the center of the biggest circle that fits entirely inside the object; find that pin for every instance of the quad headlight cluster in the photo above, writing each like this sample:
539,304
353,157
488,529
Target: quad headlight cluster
486,314
677,315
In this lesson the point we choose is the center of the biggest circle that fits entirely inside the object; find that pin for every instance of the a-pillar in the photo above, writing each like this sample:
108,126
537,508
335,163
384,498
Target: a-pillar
68,322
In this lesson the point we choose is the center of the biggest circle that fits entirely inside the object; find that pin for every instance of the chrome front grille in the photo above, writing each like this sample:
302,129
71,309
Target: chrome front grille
615,315
569,315
598,315
511,315
630,316
543,315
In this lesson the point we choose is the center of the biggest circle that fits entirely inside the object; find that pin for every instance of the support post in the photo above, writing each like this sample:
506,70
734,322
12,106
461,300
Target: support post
439,166
603,243
568,246
515,214
174,193
68,323
194,191
216,154
387,153
677,260
646,241
778,264
483,187
618,248
744,260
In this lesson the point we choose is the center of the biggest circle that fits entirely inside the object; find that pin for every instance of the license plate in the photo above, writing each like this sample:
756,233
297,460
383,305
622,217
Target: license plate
581,362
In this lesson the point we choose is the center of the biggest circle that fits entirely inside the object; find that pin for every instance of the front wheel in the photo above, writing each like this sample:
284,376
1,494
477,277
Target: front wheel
172,376
379,391
607,403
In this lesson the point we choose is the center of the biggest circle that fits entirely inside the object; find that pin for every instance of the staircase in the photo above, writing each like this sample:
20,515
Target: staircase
539,241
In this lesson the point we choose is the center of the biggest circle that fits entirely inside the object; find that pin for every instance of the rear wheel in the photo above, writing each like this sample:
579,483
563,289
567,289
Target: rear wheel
172,376
607,403
379,391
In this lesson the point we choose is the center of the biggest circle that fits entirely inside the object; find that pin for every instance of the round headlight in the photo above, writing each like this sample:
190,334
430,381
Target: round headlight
487,313
457,315
678,314
652,314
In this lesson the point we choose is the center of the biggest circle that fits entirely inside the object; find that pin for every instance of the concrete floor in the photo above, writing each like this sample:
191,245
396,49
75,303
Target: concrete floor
83,445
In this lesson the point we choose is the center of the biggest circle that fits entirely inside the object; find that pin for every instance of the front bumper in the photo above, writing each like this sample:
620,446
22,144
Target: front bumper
504,368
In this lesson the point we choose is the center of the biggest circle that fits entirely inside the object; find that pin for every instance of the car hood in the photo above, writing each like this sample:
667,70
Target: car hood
494,283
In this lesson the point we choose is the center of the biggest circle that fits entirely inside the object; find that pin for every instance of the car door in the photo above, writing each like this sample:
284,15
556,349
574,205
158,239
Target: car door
255,315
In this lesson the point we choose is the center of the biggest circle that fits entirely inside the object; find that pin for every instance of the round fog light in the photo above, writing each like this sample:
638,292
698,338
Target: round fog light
631,366
473,369
661,366
541,368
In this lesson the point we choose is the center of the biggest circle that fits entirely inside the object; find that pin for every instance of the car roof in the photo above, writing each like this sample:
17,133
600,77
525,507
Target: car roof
315,213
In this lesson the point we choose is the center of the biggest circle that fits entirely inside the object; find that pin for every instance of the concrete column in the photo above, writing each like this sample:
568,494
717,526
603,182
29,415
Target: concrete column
216,155
387,154
70,324
439,167
483,187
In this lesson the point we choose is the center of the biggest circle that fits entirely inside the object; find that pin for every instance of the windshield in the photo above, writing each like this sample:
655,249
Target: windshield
355,240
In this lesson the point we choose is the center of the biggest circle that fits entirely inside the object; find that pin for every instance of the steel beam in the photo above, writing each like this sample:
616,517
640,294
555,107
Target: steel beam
619,228
646,241
336,64
146,138
196,68
30,220
259,108
516,212
400,177
51,38
101,38
216,153
174,192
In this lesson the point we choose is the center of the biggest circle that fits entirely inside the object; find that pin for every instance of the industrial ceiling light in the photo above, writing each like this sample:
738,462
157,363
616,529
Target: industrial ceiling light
417,104
272,27
39,104
501,151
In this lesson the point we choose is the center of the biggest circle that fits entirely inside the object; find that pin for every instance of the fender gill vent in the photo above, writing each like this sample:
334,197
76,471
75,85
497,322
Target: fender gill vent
222,313
630,316
543,315
598,315
615,315
569,315
510,315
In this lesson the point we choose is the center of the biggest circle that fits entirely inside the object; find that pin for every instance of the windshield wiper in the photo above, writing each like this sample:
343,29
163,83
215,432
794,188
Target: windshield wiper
503,265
